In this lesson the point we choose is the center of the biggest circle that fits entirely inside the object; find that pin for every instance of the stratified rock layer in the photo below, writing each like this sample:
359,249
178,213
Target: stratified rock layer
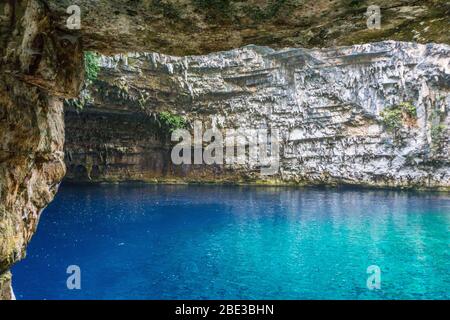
327,105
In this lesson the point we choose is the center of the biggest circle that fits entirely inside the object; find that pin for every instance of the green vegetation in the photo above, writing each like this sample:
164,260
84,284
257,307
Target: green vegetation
170,122
91,69
392,119
409,109
438,136
91,65
83,99
438,130
394,116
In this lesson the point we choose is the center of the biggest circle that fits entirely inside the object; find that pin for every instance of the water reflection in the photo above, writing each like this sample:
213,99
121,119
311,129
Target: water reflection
189,242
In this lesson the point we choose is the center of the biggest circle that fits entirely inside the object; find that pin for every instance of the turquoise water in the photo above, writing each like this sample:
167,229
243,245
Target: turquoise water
212,242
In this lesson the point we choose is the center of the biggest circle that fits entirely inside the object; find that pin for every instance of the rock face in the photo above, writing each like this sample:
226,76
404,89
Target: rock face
332,108
31,165
37,69
181,27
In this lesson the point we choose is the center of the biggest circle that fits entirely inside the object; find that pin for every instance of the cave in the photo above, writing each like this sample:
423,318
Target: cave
355,106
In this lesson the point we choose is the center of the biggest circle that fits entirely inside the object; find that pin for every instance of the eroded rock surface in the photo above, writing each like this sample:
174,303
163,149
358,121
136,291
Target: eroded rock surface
327,104
37,69
181,27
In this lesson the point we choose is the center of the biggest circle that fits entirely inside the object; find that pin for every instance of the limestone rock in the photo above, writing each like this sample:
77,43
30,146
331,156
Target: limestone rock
183,27
327,105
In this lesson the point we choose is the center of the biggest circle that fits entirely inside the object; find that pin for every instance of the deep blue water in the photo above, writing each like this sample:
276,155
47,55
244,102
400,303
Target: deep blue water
212,242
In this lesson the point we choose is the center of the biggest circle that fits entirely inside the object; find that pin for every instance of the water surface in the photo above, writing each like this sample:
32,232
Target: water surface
229,242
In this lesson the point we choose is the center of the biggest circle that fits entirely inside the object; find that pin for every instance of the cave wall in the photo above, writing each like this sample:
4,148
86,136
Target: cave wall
327,104
38,68
109,144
